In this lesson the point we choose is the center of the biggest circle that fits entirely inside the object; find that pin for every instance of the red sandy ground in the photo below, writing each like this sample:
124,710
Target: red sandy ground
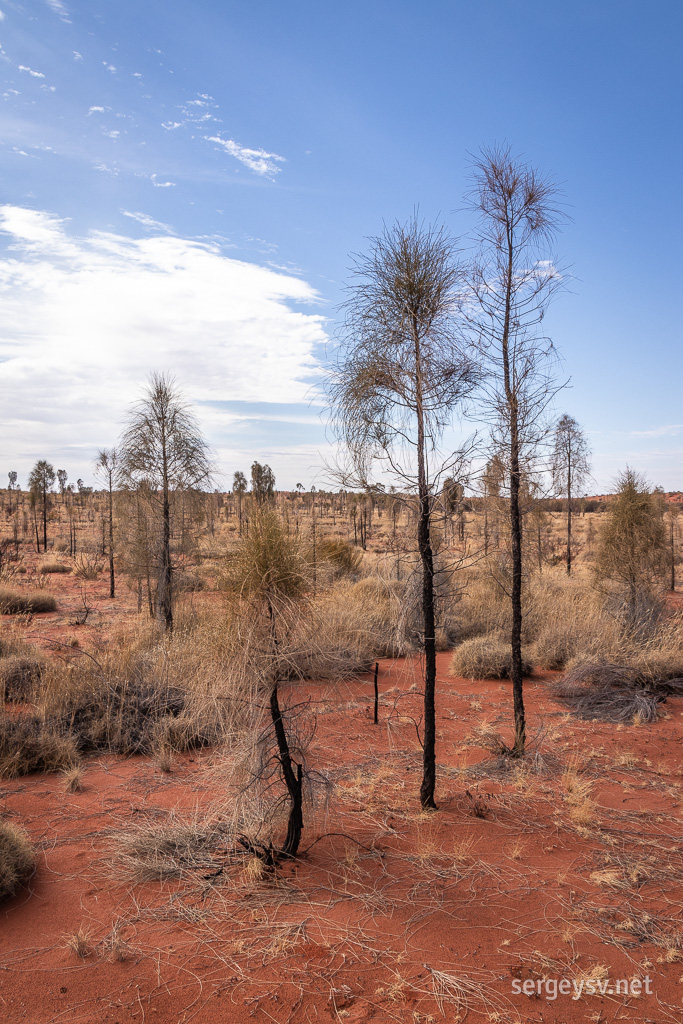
355,930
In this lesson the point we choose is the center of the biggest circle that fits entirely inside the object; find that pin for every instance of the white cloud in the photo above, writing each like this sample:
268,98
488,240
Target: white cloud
95,110
257,160
77,55
161,184
85,319
2,15
148,222
59,9
32,73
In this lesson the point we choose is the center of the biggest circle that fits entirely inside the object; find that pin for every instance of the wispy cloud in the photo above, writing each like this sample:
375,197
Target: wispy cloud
86,318
667,430
31,72
148,222
95,110
257,160
59,9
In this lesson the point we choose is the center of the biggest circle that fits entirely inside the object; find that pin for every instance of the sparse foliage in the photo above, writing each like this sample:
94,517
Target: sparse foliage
511,282
163,452
400,375
570,466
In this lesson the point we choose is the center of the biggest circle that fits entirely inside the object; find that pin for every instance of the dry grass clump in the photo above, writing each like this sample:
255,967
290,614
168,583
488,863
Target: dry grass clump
484,657
53,567
17,859
344,559
615,693
156,849
28,744
20,678
14,603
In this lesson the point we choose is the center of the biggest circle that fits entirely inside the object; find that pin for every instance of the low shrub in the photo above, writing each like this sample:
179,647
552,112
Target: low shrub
616,693
14,603
54,567
485,657
17,859
86,567
28,744
19,678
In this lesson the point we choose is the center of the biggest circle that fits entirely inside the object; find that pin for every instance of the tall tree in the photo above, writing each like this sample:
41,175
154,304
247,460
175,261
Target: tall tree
399,377
40,482
106,464
62,477
262,483
511,281
163,449
239,487
632,545
12,477
570,467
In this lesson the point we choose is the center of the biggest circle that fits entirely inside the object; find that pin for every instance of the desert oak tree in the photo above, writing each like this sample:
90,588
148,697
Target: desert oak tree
511,281
399,376
162,448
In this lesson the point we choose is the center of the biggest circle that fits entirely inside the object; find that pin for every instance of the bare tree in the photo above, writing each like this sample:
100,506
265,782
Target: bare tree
570,467
106,465
511,282
163,449
400,375
62,477
40,482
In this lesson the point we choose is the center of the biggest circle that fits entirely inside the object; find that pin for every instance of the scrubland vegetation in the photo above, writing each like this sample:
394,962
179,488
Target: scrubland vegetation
285,665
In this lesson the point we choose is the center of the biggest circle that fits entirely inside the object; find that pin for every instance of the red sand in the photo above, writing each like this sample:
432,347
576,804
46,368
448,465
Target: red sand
357,928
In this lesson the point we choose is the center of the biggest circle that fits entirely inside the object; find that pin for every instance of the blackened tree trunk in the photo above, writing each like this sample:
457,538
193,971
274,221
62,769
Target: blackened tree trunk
293,781
112,585
569,510
424,544
165,583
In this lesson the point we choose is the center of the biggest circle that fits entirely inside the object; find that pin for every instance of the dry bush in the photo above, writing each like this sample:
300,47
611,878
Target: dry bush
53,567
87,567
28,744
485,657
17,859
616,693
20,678
14,603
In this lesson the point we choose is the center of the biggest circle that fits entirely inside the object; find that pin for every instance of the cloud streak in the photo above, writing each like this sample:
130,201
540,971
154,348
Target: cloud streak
257,160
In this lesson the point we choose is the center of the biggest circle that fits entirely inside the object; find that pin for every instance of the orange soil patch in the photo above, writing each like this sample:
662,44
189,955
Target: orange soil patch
572,870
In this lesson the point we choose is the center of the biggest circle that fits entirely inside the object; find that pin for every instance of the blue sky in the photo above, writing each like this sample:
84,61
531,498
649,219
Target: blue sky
183,185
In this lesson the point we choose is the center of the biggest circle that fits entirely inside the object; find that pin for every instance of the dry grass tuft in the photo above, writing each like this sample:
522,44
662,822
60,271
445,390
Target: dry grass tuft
27,745
80,942
17,859
20,678
484,657
73,779
14,603
53,567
